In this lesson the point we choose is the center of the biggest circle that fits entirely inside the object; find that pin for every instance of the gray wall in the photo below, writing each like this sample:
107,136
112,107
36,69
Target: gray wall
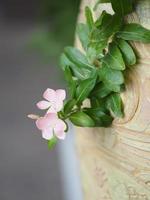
28,170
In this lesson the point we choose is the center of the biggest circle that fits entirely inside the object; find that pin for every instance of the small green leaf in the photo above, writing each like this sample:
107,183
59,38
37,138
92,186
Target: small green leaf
100,117
69,106
64,61
70,81
122,7
114,105
81,73
103,32
76,57
110,76
84,89
98,103
89,17
51,143
100,91
83,34
95,50
68,74
81,119
113,58
127,52
134,32
113,87
100,19
91,54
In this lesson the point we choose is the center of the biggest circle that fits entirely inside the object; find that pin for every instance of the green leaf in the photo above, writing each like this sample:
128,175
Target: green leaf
103,32
91,54
114,105
81,73
51,143
95,50
113,58
134,32
76,57
70,81
113,87
89,17
122,7
100,19
127,52
82,119
64,61
84,89
110,76
69,106
100,117
100,91
98,103
83,34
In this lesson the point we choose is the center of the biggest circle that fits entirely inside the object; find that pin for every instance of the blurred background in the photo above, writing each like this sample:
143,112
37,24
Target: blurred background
32,35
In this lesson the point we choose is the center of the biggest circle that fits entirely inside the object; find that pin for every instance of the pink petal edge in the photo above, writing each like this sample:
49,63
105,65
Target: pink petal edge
61,94
47,134
49,94
43,105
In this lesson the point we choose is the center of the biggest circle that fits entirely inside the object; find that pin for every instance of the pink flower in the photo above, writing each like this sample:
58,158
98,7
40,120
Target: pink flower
51,125
54,101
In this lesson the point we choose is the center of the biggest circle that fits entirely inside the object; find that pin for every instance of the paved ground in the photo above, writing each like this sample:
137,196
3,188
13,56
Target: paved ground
28,171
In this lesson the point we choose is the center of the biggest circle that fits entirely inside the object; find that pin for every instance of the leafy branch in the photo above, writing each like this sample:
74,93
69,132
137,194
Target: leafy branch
98,73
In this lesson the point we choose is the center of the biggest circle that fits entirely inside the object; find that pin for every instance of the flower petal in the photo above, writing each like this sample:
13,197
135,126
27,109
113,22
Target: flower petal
61,135
61,94
41,123
58,105
47,133
43,105
52,110
50,95
59,129
52,119
49,120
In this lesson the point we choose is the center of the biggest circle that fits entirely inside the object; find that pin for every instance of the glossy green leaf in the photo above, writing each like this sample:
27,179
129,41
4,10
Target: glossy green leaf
100,91
89,17
134,32
110,76
64,61
84,89
122,7
113,87
51,143
81,73
81,119
100,19
100,117
127,52
98,103
69,106
114,104
83,34
113,58
103,32
91,55
95,50
71,83
76,57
